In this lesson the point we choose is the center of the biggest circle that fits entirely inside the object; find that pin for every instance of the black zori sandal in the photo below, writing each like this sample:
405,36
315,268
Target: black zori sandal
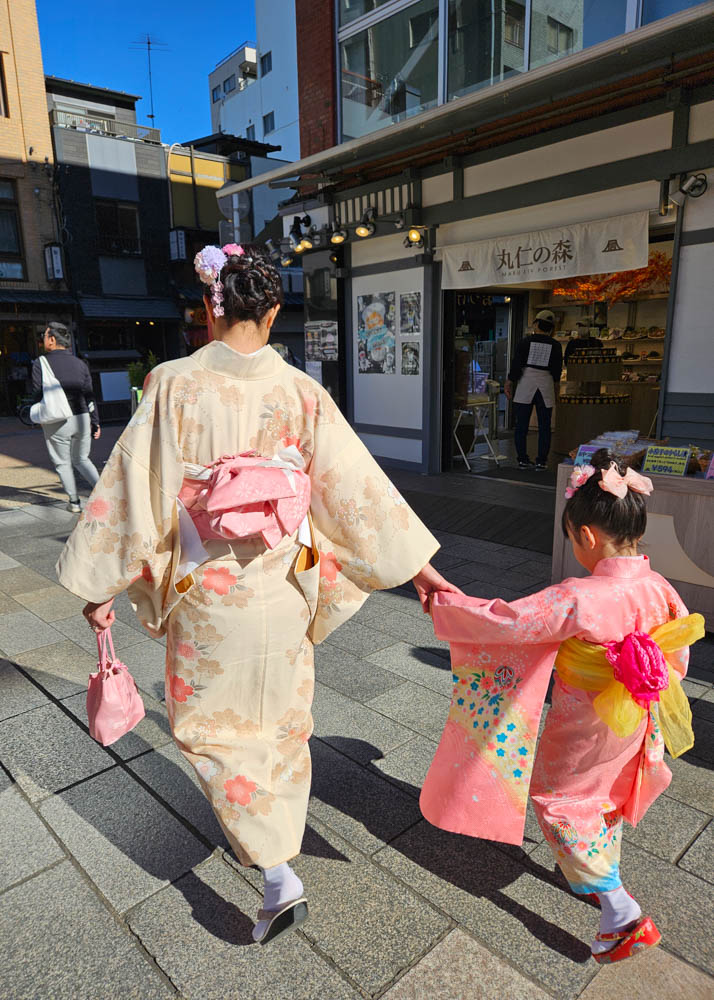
289,918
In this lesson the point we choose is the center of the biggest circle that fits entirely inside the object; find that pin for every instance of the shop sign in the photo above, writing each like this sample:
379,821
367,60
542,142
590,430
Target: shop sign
666,461
585,453
602,246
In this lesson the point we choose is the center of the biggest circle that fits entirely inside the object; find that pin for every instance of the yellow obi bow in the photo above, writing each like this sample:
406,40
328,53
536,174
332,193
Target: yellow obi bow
584,665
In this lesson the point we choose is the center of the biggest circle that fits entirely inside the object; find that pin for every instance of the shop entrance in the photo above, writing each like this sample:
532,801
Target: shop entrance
480,330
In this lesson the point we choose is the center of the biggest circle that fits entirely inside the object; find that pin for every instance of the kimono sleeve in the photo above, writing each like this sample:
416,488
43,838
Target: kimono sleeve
129,528
368,537
549,616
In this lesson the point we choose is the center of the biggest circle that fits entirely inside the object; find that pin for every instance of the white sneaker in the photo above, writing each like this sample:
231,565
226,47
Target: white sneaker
74,508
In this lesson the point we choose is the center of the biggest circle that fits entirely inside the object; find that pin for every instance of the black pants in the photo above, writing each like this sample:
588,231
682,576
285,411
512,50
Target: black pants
522,413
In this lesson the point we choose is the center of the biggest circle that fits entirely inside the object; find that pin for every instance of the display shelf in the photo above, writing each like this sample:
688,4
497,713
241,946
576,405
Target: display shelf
558,305
640,361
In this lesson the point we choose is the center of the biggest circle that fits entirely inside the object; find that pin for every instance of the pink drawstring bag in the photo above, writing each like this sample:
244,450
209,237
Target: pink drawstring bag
114,705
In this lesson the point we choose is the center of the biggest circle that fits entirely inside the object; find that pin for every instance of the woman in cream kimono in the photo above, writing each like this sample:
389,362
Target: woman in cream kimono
219,553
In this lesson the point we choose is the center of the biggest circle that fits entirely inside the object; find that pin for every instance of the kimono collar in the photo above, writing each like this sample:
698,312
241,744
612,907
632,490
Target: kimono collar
223,360
624,567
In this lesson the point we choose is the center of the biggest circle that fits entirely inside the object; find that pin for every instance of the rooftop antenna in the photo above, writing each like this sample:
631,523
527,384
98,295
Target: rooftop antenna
150,42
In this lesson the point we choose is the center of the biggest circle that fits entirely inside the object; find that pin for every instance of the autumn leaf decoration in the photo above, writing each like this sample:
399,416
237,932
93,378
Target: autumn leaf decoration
620,284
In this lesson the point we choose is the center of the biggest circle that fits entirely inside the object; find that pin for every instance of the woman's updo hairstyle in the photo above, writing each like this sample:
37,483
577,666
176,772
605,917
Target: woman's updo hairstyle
251,286
624,520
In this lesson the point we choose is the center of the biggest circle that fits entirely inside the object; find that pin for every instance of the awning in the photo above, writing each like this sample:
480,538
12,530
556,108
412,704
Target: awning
19,297
653,48
100,307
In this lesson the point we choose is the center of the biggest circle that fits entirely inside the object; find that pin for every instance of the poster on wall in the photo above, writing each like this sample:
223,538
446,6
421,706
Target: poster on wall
321,341
410,358
314,370
410,313
376,321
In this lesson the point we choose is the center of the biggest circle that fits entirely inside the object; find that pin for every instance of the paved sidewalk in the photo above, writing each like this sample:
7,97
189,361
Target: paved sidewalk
115,880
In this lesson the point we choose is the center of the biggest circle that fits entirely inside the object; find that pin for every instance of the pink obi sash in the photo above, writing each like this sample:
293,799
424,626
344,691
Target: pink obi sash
242,496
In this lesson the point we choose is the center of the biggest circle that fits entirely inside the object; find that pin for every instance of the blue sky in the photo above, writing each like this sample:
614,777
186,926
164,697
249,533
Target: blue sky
91,41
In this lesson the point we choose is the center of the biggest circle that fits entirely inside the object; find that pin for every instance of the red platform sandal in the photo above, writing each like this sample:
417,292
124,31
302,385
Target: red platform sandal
628,942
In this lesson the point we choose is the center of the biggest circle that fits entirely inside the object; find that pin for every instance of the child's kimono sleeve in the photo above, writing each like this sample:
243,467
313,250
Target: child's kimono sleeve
368,537
128,532
502,656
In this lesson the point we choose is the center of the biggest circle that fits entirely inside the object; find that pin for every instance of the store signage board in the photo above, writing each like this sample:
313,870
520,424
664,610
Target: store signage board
604,245
666,461
585,453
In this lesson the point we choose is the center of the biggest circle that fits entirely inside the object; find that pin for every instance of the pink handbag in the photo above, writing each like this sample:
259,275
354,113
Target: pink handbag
114,705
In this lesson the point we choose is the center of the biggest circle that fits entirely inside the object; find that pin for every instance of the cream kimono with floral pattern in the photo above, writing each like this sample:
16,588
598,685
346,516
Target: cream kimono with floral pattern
241,627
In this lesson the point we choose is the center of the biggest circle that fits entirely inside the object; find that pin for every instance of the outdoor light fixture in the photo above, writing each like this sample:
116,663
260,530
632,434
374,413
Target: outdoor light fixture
414,236
273,251
692,187
299,242
338,235
367,227
310,238
399,222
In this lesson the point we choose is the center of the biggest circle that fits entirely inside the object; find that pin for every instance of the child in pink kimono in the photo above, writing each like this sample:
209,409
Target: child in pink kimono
619,640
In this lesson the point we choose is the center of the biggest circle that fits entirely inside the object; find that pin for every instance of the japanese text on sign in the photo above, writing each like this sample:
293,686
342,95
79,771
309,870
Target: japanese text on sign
585,453
666,461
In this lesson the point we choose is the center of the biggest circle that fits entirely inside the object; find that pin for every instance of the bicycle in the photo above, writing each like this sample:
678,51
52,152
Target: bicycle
22,410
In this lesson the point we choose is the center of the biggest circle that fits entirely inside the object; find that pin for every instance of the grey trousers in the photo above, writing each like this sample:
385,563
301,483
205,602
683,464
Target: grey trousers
68,444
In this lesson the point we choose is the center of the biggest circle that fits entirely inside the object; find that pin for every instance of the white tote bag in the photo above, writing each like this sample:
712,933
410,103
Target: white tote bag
53,407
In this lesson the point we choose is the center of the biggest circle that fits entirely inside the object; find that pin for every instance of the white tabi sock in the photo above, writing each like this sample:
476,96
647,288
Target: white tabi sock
281,885
618,910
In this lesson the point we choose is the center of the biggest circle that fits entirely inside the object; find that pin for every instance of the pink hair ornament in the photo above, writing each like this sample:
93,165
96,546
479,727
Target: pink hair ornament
618,485
578,477
208,264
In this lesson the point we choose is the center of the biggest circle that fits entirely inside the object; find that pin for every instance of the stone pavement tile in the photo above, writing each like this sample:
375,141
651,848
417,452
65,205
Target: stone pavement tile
356,803
23,630
445,559
407,765
20,581
459,968
535,926
56,515
655,975
692,783
77,629
199,930
151,733
26,845
8,606
167,772
125,840
17,694
699,859
407,628
420,709
694,689
668,828
360,640
481,550
43,563
123,610
703,707
353,729
16,522
382,601
44,751
701,660
30,543
51,603
680,904
703,736
357,678
368,923
146,661
59,942
416,664
62,668
6,562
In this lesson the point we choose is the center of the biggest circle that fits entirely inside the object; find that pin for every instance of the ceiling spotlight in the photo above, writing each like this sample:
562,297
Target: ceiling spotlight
399,222
273,251
415,235
295,236
366,227
338,235
310,238
286,260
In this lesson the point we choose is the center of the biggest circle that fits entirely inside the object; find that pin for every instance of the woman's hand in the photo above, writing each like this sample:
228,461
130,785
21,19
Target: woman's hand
97,433
508,389
427,582
100,616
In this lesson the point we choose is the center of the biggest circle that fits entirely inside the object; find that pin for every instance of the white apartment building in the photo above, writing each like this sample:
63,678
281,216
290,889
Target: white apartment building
253,91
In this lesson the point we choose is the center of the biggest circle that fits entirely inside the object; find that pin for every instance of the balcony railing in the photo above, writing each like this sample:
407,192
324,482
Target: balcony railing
105,126
123,246
361,89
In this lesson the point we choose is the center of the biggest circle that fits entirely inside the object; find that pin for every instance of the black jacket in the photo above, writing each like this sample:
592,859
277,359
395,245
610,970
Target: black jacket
577,342
520,357
73,375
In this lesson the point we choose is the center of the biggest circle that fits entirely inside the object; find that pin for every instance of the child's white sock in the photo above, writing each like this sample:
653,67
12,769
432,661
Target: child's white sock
281,884
618,910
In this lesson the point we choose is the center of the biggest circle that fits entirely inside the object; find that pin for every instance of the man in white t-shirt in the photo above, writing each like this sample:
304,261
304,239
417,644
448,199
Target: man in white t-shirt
535,372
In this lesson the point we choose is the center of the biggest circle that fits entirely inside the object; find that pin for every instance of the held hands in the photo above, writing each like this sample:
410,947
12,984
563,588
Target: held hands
99,616
427,582
508,389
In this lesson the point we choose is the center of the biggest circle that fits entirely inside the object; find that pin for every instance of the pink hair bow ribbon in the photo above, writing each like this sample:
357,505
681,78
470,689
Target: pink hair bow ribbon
612,482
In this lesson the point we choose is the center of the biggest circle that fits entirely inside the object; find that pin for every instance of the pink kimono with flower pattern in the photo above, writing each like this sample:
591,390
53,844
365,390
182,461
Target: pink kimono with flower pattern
584,778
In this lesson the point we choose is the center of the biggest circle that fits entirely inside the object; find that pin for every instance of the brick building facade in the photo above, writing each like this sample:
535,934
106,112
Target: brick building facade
317,86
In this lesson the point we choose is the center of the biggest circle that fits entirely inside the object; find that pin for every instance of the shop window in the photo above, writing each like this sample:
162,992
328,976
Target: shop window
250,133
514,28
229,84
269,122
4,113
389,71
266,63
118,225
560,37
12,264
216,94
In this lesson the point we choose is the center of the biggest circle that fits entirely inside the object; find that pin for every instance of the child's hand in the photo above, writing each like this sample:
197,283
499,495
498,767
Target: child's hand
428,582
